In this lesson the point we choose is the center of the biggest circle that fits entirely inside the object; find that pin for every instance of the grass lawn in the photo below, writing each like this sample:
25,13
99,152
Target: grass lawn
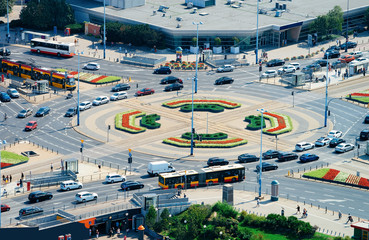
8,159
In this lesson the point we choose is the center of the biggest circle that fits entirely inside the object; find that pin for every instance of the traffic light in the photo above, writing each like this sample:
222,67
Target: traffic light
260,68
193,130
129,159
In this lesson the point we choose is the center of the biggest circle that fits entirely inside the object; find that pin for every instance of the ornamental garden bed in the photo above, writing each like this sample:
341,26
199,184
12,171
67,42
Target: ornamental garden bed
92,78
218,102
185,65
254,122
361,97
202,107
9,159
336,176
149,121
280,123
214,136
125,121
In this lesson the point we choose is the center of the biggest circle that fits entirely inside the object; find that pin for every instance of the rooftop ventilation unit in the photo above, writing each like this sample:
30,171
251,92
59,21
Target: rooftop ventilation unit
284,6
178,25
276,5
163,8
190,5
278,14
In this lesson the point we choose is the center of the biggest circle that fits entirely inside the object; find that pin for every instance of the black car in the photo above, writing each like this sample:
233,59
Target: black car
245,158
275,62
349,45
170,79
331,54
42,111
30,210
173,87
364,135
366,120
129,185
163,70
308,157
265,166
335,141
338,64
334,47
121,87
270,154
224,80
39,196
312,68
322,62
287,156
4,52
71,112
217,161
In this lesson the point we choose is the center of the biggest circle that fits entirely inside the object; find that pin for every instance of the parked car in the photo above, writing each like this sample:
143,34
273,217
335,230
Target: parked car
145,91
349,45
4,97
71,112
357,54
100,100
364,135
331,54
334,134
224,80
344,147
322,62
270,154
269,74
5,208
85,196
13,93
5,52
311,68
43,111
302,146
31,125
226,68
347,58
338,64
286,69
25,113
170,79
217,161
38,196
275,62
308,157
130,185
114,177
361,59
163,70
70,185
336,141
322,141
29,211
245,158
265,166
287,156
121,87
366,119
173,87
85,105
92,66
334,47
118,96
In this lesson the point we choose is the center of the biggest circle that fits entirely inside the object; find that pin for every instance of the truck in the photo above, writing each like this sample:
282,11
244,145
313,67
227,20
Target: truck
155,168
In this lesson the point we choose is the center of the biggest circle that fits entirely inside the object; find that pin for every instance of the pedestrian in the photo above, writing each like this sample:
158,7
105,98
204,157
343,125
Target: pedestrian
118,231
339,214
184,195
20,183
337,42
258,202
364,72
125,52
22,176
298,209
4,179
89,232
10,178
7,178
51,167
97,233
282,212
99,166
349,218
304,213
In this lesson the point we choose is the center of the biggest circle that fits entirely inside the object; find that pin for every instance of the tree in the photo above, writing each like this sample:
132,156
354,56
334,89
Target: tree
366,16
46,14
3,7
217,41
319,25
335,19
194,41
151,217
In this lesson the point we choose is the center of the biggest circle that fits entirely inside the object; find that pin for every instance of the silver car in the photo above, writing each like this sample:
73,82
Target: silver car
226,68
269,74
84,105
100,100
25,113
344,147
92,66
118,96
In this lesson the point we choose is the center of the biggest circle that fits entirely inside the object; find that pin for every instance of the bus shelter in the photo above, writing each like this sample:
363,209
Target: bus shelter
38,87
357,67
28,35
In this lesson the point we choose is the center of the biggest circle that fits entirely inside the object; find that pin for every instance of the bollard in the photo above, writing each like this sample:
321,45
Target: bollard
325,209
298,170
47,148
304,169
52,150
311,205
110,165
310,168
316,166
304,202
318,206
57,152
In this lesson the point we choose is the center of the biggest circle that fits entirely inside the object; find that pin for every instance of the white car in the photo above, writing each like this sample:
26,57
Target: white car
302,146
287,69
118,96
357,54
70,185
344,147
85,105
100,100
114,177
269,74
296,65
322,141
92,66
226,68
85,196
334,134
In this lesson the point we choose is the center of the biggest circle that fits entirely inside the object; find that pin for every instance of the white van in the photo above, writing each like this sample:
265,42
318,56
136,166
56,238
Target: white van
155,168
70,185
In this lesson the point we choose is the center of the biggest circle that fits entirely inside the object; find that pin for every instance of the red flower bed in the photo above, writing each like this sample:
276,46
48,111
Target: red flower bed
3,165
73,73
206,142
353,179
281,122
364,182
98,79
202,101
125,120
331,174
360,94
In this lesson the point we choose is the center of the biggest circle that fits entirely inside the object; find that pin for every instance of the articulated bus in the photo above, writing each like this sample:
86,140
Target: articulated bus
51,47
30,71
205,177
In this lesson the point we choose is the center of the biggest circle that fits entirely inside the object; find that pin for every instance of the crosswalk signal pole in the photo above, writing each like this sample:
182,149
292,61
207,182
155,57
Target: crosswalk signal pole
130,160
82,149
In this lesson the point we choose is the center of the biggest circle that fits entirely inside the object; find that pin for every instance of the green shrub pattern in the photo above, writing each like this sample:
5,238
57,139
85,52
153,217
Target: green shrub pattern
214,136
149,121
202,107
254,122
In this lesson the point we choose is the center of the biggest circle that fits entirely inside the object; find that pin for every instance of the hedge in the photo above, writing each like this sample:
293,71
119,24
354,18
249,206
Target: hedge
76,28
214,136
226,143
149,121
202,107
254,122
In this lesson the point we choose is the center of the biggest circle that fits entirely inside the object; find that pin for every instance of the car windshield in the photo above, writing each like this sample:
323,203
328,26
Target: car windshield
98,99
82,104
29,124
143,90
42,109
13,91
70,109
23,111
115,94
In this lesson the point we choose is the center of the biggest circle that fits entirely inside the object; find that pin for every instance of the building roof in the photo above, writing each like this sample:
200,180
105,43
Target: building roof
363,225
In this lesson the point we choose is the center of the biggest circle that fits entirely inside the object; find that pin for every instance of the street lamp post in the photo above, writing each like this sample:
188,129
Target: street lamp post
192,129
326,96
262,111
104,31
1,142
197,50
78,111
7,19
257,32
347,18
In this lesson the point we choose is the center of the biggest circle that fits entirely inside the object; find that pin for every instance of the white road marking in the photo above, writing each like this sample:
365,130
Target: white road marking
351,207
309,192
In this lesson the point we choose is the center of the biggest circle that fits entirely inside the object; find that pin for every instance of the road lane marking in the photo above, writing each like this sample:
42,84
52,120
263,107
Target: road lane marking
309,192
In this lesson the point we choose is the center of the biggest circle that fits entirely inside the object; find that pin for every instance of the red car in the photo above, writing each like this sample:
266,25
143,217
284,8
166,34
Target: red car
5,208
347,58
145,91
31,125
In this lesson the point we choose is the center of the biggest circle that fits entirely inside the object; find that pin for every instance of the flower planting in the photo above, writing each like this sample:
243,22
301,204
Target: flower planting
254,122
149,121
185,65
9,159
92,78
202,107
125,121
214,136
361,97
280,123
218,142
218,102
336,176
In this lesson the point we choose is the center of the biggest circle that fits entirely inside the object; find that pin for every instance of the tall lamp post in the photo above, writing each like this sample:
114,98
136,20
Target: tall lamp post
326,95
192,129
7,19
262,111
104,31
78,92
1,142
197,51
347,17
257,32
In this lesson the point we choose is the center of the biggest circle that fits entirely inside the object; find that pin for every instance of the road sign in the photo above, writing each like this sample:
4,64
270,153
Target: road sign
129,150
130,154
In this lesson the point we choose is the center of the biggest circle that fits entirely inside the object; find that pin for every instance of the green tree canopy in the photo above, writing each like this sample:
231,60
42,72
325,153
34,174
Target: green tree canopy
151,217
3,7
46,14
326,24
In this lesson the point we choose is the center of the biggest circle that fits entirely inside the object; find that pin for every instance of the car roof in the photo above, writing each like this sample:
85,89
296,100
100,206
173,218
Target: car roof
84,192
32,122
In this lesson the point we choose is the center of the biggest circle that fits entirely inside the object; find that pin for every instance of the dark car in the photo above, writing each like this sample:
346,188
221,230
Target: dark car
308,157
335,141
5,52
42,111
287,156
245,158
71,112
265,166
349,45
338,64
170,79
145,91
31,125
364,135
217,161
275,62
121,87
4,97
130,185
163,70
334,47
312,68
39,196
366,120
322,62
30,210
224,80
331,54
270,154
173,87
5,208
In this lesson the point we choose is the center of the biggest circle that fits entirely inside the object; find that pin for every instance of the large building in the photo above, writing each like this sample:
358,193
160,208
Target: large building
279,21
